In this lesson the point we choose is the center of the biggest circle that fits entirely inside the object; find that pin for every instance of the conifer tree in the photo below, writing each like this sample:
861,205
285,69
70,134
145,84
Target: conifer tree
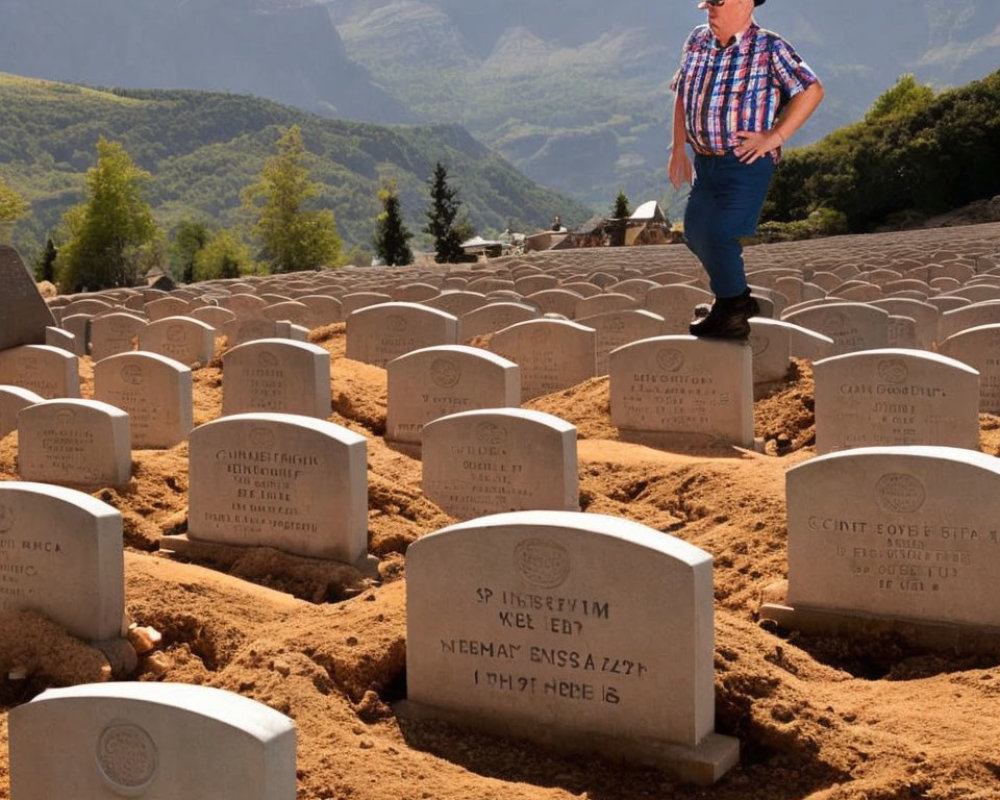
292,236
441,218
621,208
391,236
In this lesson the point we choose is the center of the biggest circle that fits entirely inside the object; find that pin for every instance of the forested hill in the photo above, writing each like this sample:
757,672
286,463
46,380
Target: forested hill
916,154
202,148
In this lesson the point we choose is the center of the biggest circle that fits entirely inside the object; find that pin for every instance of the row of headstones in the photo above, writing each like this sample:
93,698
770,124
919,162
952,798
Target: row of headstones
513,624
664,391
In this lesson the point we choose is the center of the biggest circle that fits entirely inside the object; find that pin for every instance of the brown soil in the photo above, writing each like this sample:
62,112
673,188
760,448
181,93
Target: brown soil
818,718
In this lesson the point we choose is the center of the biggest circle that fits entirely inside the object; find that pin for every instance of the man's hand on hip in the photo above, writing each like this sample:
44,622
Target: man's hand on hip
755,144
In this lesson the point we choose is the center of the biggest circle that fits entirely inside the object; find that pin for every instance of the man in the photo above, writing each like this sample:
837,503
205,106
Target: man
741,93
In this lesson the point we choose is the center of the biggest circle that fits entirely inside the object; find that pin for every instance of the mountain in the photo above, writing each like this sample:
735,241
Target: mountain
203,148
288,53
573,92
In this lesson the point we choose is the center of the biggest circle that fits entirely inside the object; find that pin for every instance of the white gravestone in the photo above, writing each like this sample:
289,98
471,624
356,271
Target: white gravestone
552,354
679,391
852,326
618,328
918,541
895,397
85,443
162,741
61,556
515,624
436,381
113,334
379,333
494,317
980,349
45,370
277,375
155,391
485,462
293,483
183,339
12,400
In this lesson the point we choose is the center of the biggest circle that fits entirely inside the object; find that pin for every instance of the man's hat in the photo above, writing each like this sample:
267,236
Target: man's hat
759,2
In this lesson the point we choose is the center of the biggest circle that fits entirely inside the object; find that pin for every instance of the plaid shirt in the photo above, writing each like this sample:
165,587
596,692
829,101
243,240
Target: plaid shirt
737,88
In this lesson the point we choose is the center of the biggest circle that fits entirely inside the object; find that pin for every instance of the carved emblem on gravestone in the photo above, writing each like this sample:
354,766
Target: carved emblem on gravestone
541,563
132,374
262,438
6,518
65,417
395,323
126,757
175,334
490,433
30,364
445,373
900,493
893,370
759,344
267,360
670,360
836,321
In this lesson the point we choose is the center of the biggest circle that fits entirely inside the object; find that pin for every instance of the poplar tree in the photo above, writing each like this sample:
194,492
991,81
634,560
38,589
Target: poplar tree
292,235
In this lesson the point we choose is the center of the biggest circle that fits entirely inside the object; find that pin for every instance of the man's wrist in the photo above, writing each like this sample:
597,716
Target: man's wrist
779,134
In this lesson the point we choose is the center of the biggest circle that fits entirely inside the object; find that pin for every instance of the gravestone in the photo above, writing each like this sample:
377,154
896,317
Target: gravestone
183,339
617,328
515,625
215,316
379,333
249,329
85,443
980,349
45,370
64,340
485,462
917,548
290,311
113,334
852,326
679,391
12,400
676,303
602,304
966,317
494,317
61,556
555,301
552,354
457,303
771,346
436,381
23,313
277,375
156,393
895,397
169,741
166,307
78,325
293,483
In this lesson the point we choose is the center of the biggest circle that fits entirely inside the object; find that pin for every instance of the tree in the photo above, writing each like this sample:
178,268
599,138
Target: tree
113,234
621,209
224,255
45,267
441,219
391,236
189,238
906,97
292,236
12,206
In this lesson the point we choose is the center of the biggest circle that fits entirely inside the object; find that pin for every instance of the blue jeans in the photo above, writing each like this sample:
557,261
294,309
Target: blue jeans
724,206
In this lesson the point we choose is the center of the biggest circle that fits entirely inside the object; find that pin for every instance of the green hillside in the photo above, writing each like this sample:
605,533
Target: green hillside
916,154
202,148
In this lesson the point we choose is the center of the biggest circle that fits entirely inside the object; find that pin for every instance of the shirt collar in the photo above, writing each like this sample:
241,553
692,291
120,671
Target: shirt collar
740,38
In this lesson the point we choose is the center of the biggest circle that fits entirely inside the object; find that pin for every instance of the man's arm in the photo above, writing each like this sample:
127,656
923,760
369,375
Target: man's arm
754,144
680,168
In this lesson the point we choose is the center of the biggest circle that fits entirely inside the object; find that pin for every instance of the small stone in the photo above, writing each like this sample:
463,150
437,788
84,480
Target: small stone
144,639
157,664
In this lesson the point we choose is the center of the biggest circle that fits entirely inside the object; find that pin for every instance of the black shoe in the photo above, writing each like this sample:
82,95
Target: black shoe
728,318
